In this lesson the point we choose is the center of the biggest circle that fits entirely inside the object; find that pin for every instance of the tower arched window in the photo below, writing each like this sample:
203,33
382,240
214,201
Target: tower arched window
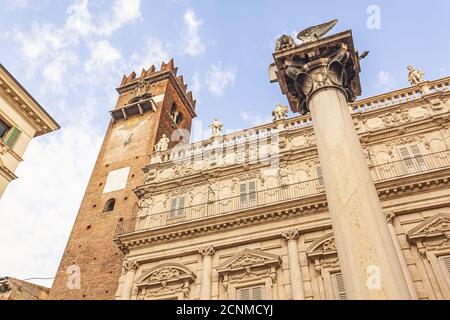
176,115
109,205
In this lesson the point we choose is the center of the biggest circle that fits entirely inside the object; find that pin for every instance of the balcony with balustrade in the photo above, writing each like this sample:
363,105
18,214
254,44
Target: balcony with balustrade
420,168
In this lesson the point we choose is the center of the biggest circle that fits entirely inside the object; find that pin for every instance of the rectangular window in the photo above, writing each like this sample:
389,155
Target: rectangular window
412,156
319,176
4,128
247,194
176,207
338,286
250,293
445,262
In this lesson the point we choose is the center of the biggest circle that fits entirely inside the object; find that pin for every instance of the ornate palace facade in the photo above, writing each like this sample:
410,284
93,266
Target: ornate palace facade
254,214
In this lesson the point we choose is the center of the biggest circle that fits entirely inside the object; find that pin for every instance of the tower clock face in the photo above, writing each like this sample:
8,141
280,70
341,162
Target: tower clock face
127,136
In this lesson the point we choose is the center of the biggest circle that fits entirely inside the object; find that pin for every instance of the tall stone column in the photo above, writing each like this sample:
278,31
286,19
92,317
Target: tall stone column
207,254
130,268
323,77
295,272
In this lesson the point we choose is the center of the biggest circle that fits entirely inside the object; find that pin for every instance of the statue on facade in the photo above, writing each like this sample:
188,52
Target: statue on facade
280,112
163,144
316,32
415,76
216,128
284,42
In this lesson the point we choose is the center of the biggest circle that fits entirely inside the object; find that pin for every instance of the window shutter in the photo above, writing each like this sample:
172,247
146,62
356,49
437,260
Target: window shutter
250,293
415,151
252,191
243,294
173,207
180,206
257,293
338,284
12,137
446,263
243,192
319,175
404,154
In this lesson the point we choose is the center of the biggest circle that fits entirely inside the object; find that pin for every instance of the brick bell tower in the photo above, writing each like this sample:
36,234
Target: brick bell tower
153,104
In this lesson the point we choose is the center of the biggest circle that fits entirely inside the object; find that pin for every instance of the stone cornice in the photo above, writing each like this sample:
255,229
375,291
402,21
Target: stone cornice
25,104
8,174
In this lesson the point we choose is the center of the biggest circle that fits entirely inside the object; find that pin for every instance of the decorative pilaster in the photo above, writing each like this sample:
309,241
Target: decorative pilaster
321,77
129,268
294,265
389,219
207,254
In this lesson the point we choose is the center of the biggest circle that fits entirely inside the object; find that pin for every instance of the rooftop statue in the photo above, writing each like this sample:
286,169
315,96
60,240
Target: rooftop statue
316,32
284,42
280,112
216,128
415,76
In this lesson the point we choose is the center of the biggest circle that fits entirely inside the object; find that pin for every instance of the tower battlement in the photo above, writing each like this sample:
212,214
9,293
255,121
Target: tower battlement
151,75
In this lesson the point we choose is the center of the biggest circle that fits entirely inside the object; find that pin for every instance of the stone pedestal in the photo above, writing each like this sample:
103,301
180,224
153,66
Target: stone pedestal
294,265
207,254
321,77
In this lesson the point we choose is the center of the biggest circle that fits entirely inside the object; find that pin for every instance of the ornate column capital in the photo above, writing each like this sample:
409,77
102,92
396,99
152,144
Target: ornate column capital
290,235
333,68
131,265
207,251
389,215
316,64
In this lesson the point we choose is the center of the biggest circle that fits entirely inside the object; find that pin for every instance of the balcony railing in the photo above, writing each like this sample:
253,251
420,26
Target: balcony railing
401,95
411,166
383,172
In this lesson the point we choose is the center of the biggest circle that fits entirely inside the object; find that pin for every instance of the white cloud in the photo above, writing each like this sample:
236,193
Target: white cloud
385,80
102,56
194,44
153,53
54,50
218,78
81,20
54,71
50,50
196,84
38,209
123,12
255,119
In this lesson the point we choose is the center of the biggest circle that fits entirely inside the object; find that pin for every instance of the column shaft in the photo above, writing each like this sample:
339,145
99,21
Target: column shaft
295,271
362,236
205,289
130,268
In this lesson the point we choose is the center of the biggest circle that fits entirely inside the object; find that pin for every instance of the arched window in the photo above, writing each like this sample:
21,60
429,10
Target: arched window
109,206
177,116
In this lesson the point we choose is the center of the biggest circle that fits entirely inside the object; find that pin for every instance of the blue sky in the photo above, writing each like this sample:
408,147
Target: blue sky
72,54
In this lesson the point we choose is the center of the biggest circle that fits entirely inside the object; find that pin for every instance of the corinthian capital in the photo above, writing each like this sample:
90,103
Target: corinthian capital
316,65
207,251
130,265
290,235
